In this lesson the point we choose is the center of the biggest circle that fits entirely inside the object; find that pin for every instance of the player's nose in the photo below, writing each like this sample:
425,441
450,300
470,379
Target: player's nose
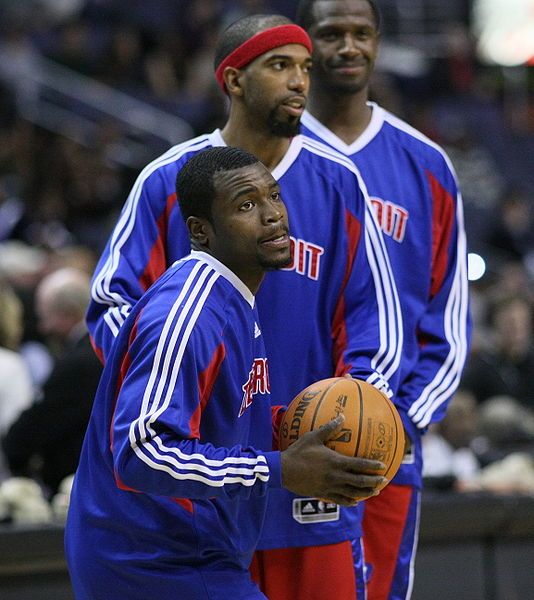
272,212
349,47
298,81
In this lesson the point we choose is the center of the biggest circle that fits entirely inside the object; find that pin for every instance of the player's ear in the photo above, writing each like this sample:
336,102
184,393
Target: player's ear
232,81
199,231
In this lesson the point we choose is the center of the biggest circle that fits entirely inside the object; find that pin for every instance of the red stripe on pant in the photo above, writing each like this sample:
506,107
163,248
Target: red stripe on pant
307,573
383,527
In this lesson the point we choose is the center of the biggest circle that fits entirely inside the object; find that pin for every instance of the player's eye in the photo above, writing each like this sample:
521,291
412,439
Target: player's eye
363,34
279,65
247,205
276,196
328,36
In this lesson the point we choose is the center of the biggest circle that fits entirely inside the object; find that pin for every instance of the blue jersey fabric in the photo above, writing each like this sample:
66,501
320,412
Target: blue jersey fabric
413,189
170,493
334,310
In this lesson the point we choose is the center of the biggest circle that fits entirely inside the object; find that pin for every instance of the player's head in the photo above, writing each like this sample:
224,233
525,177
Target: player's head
233,209
262,62
345,35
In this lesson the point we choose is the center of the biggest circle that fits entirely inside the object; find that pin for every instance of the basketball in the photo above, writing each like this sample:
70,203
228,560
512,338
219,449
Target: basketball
372,429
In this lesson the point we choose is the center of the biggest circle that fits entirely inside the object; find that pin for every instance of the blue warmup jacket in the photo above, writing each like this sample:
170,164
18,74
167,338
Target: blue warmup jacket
413,189
170,493
333,310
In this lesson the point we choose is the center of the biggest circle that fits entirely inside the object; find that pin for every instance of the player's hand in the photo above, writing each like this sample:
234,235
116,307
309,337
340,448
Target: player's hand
309,468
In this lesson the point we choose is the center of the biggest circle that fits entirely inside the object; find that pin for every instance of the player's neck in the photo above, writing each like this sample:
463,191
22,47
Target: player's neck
346,115
269,149
251,277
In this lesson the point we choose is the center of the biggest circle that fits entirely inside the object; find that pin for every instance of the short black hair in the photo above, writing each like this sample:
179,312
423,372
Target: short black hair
195,185
242,30
305,18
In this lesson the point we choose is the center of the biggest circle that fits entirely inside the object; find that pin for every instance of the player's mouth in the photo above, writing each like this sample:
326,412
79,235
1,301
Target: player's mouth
295,105
349,69
278,240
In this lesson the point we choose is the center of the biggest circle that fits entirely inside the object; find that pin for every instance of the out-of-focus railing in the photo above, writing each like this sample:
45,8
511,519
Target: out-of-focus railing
83,109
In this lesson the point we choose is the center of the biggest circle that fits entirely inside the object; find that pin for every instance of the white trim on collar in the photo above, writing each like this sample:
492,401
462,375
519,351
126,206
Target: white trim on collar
375,124
226,273
216,138
295,147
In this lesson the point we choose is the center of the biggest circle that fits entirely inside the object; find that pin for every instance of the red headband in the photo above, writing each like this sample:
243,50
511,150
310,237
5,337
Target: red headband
259,44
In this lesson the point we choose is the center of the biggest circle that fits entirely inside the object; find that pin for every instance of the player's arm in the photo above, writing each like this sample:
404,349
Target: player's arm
444,330
156,442
368,333
133,258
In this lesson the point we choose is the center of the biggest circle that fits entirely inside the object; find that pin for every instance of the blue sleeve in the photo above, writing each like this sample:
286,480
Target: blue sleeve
155,449
445,329
135,256
373,317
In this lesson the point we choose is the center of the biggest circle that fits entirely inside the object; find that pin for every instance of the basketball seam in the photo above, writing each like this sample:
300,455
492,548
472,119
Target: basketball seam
360,418
312,427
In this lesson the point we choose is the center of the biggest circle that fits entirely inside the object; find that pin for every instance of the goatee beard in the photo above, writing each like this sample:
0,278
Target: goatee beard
283,129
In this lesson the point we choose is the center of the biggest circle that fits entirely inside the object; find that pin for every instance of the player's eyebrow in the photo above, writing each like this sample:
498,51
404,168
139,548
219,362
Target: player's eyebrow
251,189
242,191
287,57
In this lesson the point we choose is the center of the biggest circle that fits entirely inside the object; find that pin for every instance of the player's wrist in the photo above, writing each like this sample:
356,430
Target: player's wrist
274,462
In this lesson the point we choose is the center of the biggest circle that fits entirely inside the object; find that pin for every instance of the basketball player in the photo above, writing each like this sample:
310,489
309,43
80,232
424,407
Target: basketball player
171,489
332,311
414,192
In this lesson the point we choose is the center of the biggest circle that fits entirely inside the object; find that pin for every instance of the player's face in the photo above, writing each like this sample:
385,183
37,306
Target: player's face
345,42
250,232
276,87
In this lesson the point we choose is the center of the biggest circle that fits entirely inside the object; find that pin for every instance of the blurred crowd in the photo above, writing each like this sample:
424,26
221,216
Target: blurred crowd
60,195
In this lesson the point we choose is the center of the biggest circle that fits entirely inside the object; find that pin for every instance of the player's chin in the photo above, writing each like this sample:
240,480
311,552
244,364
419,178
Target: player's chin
285,128
279,261
347,85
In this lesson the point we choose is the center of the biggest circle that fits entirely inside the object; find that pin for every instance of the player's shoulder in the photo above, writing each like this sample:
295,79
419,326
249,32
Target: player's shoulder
324,156
190,284
334,169
414,141
174,158
201,276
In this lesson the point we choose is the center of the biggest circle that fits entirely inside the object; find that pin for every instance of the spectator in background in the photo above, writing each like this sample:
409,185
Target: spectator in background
513,233
505,447
479,174
506,364
486,447
448,456
45,441
16,390
505,426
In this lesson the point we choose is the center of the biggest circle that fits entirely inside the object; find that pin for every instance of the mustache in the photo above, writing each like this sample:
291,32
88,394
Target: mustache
275,232
295,99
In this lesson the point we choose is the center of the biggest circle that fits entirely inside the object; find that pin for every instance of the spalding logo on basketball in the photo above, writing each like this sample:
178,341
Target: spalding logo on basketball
372,429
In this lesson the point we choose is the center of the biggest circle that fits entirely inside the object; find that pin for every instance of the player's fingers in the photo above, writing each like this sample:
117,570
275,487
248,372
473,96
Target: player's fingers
329,430
356,464
359,485
364,465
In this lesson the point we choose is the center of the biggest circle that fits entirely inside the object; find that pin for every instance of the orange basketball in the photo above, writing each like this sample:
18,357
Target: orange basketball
372,429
